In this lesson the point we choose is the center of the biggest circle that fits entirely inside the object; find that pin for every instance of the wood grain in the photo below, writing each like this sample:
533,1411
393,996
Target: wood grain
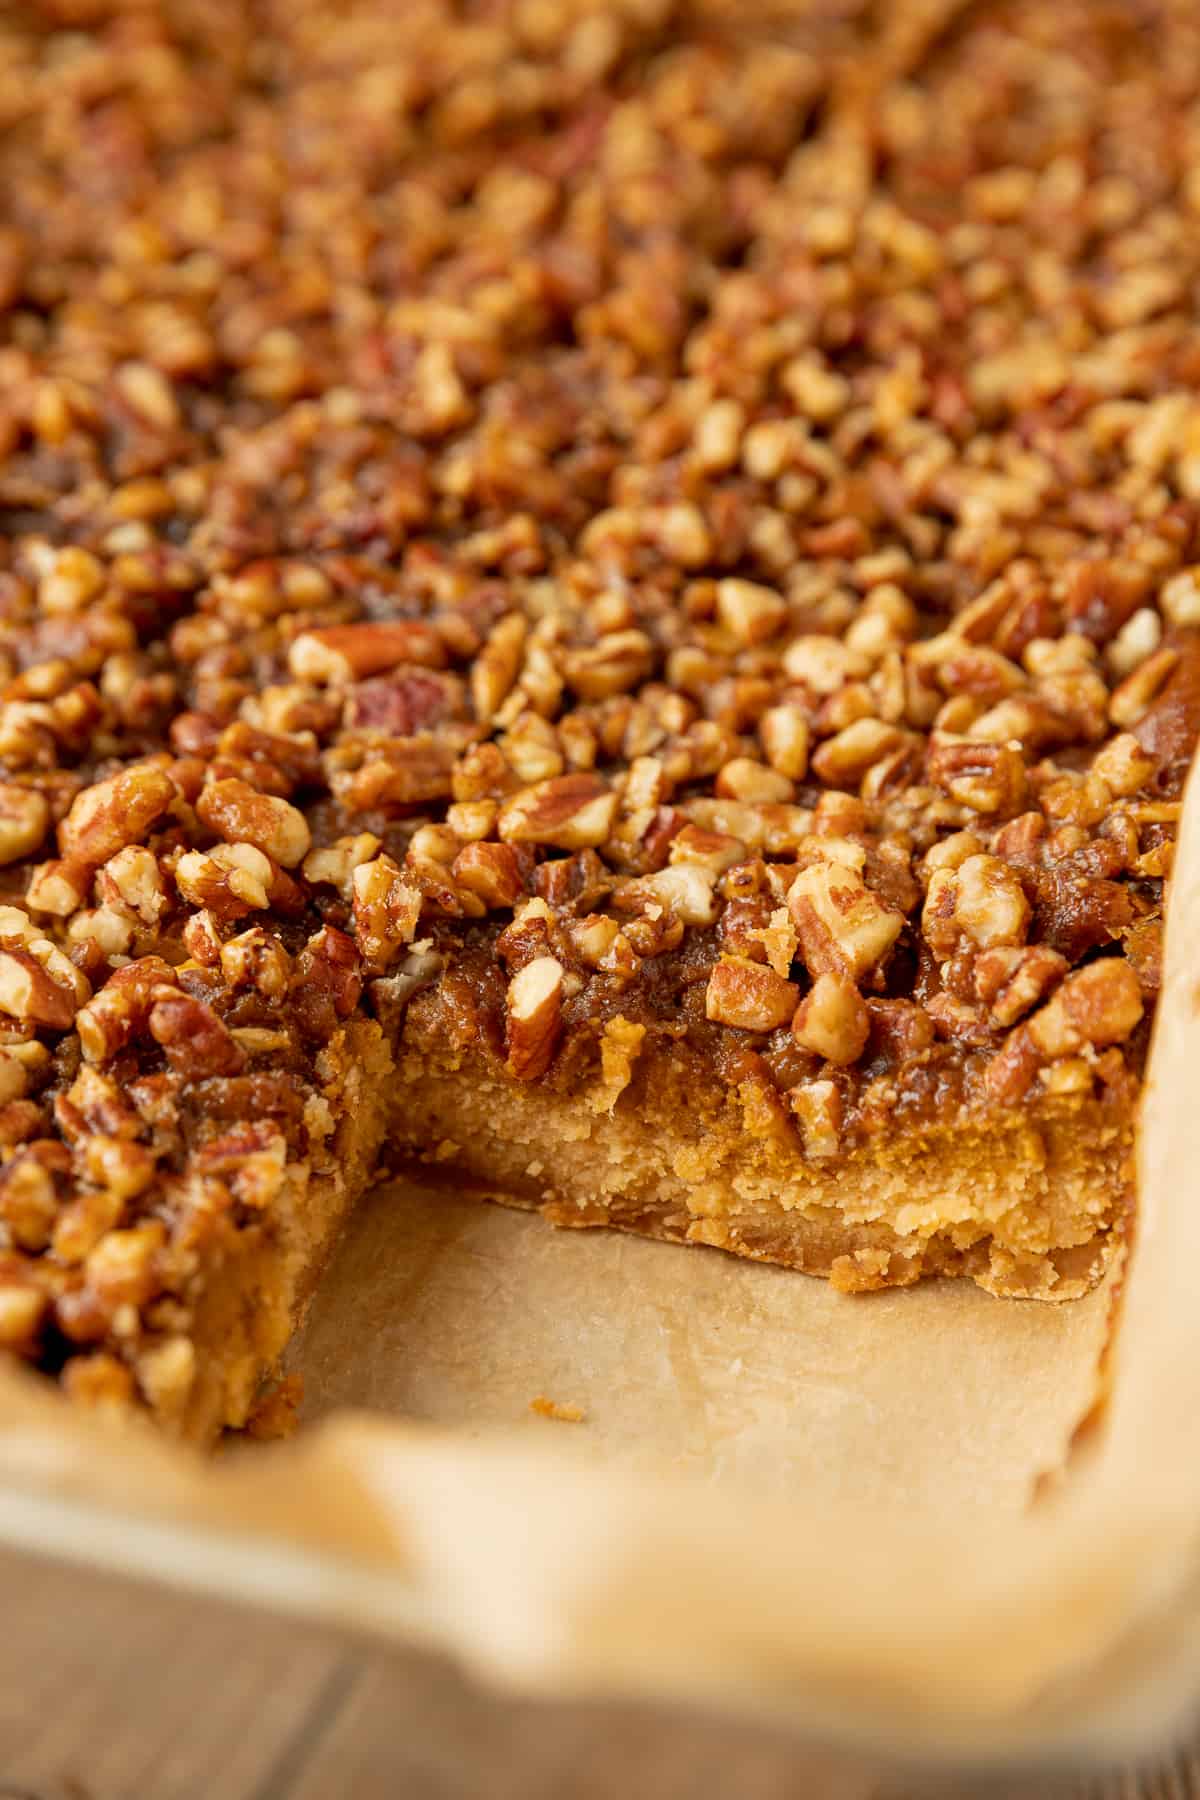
110,1690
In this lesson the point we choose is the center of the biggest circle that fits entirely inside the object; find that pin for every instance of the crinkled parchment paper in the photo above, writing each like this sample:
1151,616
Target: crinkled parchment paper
776,1497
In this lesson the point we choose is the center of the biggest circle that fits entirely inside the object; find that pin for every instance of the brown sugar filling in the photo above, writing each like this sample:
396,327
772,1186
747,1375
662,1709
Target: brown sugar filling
605,596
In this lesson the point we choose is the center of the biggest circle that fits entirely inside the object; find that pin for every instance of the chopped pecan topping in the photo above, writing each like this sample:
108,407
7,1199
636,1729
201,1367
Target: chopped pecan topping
115,1015
785,735
327,982
1098,1005
987,778
1095,1006
59,887
1010,982
617,663
22,1310
132,880
29,992
257,959
749,611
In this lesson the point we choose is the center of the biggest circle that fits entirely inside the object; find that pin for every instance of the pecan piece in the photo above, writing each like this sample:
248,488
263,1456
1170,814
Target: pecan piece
58,887
250,1160
335,864
166,1373
106,817
491,871
749,995
749,612
228,881
195,1041
386,909
124,1267
41,985
616,664
29,1194
119,1011
132,880
534,1017
124,1169
407,772
989,778
1095,1006
23,1308
291,756
97,1381
1011,982
24,821
240,814
496,667
685,889
744,779
832,1020
843,760
326,983
570,812
785,739
714,851
257,959
817,1106
620,1046
842,927
403,703
346,653
981,899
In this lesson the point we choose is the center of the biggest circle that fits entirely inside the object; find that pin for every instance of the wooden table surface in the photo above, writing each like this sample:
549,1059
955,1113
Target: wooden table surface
111,1690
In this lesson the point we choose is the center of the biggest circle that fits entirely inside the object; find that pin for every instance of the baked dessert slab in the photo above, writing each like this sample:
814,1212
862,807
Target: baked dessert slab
1026,1201
602,598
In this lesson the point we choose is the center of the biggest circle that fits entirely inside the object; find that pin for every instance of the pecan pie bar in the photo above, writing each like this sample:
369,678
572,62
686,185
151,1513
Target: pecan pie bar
599,594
